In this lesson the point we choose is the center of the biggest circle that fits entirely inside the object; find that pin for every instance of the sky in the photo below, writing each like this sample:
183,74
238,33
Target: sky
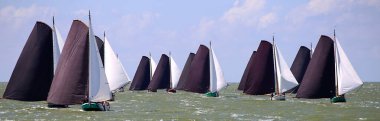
136,28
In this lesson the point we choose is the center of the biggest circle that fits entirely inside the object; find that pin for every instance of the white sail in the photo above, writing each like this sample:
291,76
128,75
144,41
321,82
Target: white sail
285,77
153,66
58,43
348,79
217,81
174,73
116,75
213,78
99,89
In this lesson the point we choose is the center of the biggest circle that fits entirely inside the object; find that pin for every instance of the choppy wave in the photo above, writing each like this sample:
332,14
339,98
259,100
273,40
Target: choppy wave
363,104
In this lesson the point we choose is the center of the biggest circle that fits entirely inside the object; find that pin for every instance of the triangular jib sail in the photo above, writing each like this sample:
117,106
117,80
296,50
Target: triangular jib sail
98,85
174,73
58,43
348,79
116,75
285,78
153,66
217,81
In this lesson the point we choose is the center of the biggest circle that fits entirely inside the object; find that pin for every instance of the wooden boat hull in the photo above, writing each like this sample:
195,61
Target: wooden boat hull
95,106
212,94
171,91
51,105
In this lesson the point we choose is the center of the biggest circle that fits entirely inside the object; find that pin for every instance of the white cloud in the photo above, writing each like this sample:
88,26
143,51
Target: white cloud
138,21
318,8
267,19
205,26
243,12
18,16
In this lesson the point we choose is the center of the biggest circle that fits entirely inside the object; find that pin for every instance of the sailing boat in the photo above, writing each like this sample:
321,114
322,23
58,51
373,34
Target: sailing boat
174,74
270,73
217,81
185,72
299,66
161,77
261,77
34,70
69,84
330,73
116,75
144,73
244,78
166,75
205,74
346,78
284,78
98,89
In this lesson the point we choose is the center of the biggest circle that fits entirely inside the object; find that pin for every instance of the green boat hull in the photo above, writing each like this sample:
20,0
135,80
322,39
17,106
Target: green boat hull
338,99
212,94
94,106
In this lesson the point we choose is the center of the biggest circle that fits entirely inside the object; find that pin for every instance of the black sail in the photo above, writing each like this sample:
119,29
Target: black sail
299,66
261,76
319,78
161,77
246,71
70,82
33,73
100,44
142,76
199,76
185,72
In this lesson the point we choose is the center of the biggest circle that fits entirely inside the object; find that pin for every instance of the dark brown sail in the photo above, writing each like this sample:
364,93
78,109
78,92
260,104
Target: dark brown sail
246,71
319,78
142,76
199,76
161,77
70,82
261,78
33,73
299,66
100,44
185,72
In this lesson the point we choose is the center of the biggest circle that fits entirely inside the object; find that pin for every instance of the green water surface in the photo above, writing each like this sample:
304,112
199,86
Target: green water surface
362,104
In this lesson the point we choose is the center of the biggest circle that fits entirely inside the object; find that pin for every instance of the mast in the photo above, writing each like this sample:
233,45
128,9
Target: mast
311,49
170,70
104,38
89,66
150,66
336,66
275,67
53,23
211,66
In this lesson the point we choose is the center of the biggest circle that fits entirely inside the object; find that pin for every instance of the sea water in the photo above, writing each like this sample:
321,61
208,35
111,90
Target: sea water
362,104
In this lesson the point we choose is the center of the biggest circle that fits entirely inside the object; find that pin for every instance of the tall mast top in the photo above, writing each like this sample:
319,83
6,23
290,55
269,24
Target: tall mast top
311,49
53,21
89,14
334,33
104,34
273,38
